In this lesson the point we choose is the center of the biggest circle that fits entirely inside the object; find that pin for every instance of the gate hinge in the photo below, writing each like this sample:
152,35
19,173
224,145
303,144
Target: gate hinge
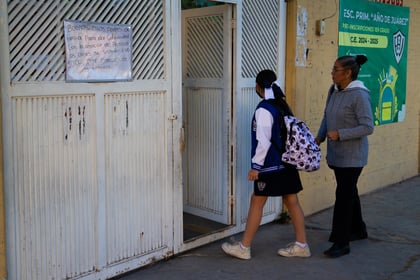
231,200
172,117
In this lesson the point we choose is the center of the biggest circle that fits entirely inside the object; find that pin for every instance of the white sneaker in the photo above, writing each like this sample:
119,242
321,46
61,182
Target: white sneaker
294,250
236,251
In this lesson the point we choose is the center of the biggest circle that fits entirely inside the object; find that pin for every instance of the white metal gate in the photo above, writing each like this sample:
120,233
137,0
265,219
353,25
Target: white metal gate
261,29
89,166
207,90
91,170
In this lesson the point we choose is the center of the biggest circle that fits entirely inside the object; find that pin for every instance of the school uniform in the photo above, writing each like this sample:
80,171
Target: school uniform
275,178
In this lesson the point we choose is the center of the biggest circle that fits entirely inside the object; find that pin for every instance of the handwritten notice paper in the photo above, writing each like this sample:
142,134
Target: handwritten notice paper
97,52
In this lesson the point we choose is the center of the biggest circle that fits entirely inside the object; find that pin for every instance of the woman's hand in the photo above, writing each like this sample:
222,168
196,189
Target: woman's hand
252,175
333,135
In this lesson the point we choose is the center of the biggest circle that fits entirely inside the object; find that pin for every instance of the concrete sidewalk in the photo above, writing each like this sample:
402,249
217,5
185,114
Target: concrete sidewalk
392,251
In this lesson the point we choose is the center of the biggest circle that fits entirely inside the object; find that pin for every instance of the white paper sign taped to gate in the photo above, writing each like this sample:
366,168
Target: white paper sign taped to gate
97,52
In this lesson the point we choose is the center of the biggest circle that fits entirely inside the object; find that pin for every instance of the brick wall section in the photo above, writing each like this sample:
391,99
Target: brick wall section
394,148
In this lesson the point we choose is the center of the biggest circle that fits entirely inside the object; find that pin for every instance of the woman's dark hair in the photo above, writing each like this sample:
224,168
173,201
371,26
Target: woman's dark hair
353,63
266,79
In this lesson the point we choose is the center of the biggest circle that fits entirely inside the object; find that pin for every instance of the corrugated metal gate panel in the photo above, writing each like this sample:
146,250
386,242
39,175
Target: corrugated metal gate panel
136,159
204,44
83,204
260,50
205,141
249,100
36,35
55,192
260,36
207,92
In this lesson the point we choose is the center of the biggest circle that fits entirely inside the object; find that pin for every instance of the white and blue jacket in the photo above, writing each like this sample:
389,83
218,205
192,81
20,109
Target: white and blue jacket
266,139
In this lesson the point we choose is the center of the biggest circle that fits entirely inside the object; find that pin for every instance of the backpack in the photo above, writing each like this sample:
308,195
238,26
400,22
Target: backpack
301,149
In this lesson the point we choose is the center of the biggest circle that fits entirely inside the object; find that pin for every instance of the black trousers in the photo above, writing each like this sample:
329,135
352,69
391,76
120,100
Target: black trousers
347,217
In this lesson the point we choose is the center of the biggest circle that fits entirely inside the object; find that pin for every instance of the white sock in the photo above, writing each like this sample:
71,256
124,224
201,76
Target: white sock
242,246
301,245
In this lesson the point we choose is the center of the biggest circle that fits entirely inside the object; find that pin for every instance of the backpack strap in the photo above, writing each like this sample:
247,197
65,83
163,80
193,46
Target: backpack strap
283,110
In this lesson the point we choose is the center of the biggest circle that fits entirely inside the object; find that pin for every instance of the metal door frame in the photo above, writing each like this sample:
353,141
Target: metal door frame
199,86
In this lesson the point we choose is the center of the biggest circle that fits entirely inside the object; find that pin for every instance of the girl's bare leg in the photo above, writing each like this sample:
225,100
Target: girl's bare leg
254,219
296,213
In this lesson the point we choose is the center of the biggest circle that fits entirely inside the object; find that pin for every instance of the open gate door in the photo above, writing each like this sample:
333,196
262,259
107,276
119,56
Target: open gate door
207,94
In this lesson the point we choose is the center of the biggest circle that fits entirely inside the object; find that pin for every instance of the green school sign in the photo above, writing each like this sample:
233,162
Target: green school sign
380,32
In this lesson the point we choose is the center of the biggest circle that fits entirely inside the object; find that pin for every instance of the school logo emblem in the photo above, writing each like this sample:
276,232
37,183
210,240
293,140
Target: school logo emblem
261,185
254,125
399,42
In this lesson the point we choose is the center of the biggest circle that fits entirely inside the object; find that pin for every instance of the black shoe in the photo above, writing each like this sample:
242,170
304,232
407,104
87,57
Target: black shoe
360,236
337,251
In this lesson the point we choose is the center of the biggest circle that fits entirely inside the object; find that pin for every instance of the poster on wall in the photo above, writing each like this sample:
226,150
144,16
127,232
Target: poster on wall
391,2
379,31
97,52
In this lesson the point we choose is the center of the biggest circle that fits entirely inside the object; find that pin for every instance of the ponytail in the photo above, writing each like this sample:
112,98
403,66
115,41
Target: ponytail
280,99
354,63
360,59
267,79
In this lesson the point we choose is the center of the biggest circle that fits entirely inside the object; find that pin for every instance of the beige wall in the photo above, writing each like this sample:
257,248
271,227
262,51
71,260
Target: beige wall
394,148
